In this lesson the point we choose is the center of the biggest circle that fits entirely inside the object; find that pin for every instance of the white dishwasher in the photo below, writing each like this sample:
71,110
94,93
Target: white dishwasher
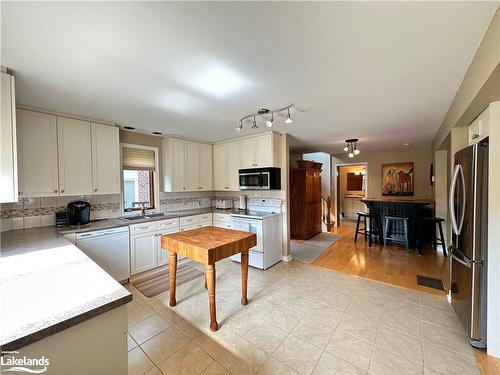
109,248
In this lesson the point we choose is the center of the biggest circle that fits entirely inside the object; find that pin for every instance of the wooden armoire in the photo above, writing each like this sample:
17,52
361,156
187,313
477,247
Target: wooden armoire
305,202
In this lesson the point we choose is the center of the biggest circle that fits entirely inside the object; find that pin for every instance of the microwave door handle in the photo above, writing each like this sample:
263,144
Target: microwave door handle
452,199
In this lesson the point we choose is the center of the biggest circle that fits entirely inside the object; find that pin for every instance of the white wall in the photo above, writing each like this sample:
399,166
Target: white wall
441,186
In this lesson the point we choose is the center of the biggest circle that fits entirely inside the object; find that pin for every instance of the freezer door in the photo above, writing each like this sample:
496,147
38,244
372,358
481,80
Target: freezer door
461,287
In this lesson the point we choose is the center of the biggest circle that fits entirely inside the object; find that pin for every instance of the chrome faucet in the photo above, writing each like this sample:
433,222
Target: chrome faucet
143,207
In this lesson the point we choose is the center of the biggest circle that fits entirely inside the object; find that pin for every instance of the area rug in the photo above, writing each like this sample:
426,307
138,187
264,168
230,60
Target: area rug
157,283
311,249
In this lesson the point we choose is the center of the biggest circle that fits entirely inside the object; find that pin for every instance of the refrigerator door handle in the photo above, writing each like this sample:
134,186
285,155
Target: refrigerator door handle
459,257
457,227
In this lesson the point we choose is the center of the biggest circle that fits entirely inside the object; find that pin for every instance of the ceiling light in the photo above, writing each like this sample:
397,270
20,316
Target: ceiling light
352,147
240,126
288,119
269,122
254,125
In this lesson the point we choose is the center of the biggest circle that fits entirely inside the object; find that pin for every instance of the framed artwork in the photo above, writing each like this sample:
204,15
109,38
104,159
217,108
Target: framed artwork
398,179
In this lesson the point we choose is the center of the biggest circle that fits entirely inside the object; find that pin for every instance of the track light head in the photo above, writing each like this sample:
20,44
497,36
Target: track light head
288,118
269,123
254,125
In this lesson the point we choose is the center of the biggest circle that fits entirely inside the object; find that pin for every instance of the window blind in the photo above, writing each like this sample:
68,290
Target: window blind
138,159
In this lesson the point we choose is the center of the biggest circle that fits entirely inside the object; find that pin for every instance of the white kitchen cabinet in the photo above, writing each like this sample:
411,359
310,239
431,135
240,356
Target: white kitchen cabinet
479,129
227,162
352,206
162,255
74,156
257,151
143,252
220,167
37,154
187,165
105,159
221,220
8,166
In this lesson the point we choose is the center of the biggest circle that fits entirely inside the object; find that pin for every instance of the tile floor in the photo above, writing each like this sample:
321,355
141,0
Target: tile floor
300,319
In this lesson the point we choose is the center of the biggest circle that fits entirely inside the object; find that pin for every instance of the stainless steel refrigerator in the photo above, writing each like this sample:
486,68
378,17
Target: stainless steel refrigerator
469,218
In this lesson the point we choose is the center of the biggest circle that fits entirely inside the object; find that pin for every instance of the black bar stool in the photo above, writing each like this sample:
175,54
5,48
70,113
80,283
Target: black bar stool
431,223
375,227
394,236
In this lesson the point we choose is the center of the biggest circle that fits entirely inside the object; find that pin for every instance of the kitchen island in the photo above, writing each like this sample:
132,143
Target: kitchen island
411,208
57,303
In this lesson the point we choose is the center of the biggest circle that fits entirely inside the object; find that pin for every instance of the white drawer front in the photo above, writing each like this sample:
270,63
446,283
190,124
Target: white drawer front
189,227
189,220
142,228
205,218
221,217
222,224
168,224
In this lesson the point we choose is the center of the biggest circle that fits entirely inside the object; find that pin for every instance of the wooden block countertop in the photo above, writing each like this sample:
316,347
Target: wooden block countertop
208,244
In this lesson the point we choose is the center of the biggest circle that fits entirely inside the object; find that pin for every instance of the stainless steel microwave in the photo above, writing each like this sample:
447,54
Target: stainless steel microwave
260,178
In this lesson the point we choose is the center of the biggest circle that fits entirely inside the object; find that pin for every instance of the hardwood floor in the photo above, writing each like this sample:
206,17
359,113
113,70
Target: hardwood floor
392,265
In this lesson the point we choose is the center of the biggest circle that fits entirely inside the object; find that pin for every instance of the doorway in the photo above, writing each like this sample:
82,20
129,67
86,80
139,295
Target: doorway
351,188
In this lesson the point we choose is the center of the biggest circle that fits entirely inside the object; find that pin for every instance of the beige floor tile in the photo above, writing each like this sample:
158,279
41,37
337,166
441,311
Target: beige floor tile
442,319
154,371
332,365
215,369
351,349
212,345
138,311
266,335
190,360
407,310
276,314
437,303
138,362
453,340
165,344
159,302
275,367
447,362
148,328
325,314
386,363
359,327
404,345
298,354
336,300
428,371
400,323
131,344
313,332
241,321
365,309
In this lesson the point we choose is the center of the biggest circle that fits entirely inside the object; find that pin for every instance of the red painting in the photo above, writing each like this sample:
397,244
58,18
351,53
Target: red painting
398,179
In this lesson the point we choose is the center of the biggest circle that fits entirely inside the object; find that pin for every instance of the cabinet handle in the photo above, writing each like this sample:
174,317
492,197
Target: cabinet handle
55,191
184,188
62,191
20,193
475,136
95,189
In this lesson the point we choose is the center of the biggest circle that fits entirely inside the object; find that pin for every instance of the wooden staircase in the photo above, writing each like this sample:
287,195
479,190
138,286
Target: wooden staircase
326,213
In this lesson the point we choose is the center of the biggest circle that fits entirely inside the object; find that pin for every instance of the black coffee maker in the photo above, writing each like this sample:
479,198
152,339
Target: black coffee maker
78,213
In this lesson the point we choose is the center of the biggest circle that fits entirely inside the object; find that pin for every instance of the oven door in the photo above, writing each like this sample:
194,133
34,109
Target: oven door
254,181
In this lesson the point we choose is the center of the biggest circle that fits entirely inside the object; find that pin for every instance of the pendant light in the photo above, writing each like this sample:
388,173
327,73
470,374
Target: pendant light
352,147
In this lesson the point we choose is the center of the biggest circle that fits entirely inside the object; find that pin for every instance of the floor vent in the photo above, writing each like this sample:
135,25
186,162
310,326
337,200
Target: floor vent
430,282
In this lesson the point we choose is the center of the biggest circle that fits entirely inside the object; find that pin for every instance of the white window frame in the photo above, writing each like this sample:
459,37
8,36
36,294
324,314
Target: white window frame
156,181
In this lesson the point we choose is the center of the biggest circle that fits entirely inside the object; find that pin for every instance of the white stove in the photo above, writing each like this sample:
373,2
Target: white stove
263,218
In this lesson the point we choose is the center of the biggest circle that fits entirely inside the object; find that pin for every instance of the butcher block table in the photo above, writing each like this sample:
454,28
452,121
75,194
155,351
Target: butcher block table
208,245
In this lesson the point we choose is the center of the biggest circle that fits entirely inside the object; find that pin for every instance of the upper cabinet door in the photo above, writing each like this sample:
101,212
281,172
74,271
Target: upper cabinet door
37,154
75,160
264,146
233,165
193,152
249,153
206,167
8,161
178,164
220,167
105,159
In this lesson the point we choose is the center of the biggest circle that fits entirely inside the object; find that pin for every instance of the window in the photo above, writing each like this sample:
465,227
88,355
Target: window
138,178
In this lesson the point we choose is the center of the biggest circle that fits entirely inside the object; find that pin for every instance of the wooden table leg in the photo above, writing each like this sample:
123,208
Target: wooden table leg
244,276
173,273
210,275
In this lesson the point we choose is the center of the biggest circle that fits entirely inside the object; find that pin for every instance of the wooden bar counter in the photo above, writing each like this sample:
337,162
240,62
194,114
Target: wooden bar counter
208,245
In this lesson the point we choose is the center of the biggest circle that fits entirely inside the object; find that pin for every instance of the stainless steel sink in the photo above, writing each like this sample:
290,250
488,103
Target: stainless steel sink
148,216
131,218
156,214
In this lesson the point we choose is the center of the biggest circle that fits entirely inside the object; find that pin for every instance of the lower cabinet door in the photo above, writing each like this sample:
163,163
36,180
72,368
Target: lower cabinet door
143,252
162,254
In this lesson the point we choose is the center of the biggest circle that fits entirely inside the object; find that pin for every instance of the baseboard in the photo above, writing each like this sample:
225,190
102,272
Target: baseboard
287,258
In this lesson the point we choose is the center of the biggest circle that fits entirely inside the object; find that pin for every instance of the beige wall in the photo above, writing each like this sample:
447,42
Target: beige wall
420,156
480,85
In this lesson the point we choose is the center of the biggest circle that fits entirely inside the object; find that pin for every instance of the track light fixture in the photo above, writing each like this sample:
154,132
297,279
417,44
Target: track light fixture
351,147
265,112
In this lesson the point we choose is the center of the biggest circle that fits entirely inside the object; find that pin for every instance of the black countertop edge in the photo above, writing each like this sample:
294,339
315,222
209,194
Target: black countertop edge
61,326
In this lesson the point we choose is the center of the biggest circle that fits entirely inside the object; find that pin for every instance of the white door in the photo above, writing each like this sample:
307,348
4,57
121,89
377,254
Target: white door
220,167
233,165
249,153
264,150
206,167
178,165
143,252
105,159
192,151
37,154
8,161
75,156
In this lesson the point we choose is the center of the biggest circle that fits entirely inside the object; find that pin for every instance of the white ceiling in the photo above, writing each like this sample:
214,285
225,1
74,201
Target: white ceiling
382,72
